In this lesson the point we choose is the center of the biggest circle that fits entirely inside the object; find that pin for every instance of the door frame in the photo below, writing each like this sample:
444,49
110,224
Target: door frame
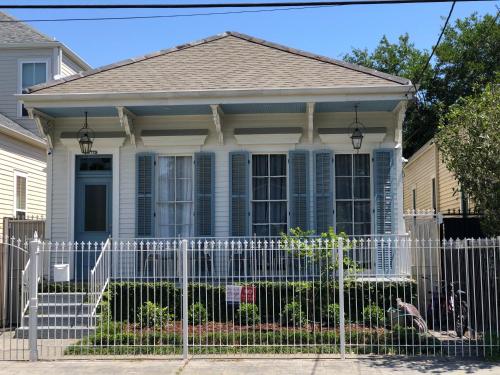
115,154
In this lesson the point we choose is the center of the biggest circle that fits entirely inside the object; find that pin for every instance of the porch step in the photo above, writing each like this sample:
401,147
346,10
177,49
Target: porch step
61,297
59,320
69,308
47,332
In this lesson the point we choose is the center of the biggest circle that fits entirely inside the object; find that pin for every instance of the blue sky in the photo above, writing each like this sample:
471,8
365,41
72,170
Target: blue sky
327,31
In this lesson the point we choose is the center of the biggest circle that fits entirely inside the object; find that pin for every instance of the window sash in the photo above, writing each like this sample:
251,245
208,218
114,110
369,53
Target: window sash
175,208
33,73
275,169
351,170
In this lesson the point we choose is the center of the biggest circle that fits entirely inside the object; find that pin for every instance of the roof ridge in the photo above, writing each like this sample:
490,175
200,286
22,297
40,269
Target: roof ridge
321,58
49,38
212,38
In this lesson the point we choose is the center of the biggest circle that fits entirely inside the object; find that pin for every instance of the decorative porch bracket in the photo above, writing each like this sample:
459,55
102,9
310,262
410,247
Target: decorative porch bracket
217,115
127,122
43,123
310,121
399,114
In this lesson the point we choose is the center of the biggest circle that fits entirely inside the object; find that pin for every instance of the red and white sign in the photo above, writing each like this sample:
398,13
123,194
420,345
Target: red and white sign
236,294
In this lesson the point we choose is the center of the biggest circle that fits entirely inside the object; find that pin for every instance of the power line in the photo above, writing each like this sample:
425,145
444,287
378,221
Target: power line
160,16
422,72
225,5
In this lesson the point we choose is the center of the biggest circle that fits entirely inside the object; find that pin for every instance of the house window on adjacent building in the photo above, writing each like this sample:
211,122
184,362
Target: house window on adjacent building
434,201
32,73
20,196
414,198
352,197
269,195
175,196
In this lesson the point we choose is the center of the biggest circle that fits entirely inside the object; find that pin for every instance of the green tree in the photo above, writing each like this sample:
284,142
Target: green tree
469,138
467,57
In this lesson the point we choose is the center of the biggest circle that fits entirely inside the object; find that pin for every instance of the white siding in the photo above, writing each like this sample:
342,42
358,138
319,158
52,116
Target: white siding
61,205
68,67
21,157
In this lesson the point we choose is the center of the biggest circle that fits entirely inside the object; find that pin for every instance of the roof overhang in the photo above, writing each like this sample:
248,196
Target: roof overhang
392,93
38,142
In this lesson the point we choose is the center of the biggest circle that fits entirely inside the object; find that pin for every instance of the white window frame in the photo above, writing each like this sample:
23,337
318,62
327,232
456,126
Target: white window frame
15,210
371,198
20,64
157,186
269,200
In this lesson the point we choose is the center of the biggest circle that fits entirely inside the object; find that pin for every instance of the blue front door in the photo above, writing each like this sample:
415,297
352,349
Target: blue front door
93,209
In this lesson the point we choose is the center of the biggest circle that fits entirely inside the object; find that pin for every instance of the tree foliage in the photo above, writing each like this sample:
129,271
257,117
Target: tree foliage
467,57
469,139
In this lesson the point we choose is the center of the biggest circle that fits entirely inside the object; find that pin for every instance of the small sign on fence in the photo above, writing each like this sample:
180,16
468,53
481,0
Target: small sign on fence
236,294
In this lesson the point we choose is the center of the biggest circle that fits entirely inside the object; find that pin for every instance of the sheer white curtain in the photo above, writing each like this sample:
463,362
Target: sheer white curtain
175,196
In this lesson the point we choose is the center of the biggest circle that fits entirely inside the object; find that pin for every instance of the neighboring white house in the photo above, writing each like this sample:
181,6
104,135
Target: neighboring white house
227,136
27,57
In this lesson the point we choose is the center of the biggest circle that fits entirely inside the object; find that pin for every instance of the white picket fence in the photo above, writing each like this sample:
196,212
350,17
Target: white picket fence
237,296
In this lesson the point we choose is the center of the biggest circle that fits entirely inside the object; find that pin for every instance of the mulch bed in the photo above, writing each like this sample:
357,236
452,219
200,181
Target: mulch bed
230,327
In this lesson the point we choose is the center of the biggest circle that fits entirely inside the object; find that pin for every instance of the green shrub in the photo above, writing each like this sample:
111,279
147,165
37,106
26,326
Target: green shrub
331,314
197,314
292,315
248,314
127,297
373,316
151,315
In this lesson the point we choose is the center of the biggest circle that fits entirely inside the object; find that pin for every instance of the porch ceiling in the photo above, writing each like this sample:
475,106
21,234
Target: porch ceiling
230,109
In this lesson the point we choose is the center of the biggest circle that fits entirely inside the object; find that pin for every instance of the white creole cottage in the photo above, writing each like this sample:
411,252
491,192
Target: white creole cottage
227,136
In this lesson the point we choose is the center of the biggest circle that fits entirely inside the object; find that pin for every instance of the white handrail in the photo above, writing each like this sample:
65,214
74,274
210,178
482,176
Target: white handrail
99,276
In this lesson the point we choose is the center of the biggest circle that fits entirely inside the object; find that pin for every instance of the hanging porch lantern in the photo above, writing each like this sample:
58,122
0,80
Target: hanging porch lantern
357,131
86,138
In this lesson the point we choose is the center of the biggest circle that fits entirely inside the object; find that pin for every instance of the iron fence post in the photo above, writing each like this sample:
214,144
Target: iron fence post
184,248
34,249
340,258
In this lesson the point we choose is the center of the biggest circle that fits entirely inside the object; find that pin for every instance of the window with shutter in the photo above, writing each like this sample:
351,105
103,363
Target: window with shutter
145,195
239,198
204,180
323,191
299,189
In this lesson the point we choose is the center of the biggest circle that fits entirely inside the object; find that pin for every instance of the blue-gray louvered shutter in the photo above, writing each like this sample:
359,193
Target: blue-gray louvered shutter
323,191
239,197
145,172
204,194
384,182
299,189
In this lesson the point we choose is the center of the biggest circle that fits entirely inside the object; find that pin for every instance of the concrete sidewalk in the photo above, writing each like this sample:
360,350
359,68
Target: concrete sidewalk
277,366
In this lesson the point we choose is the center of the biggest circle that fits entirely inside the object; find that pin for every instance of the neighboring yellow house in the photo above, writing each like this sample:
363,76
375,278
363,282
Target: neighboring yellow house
429,185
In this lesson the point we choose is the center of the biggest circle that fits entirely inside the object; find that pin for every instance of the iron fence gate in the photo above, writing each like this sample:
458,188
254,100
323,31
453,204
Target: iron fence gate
333,297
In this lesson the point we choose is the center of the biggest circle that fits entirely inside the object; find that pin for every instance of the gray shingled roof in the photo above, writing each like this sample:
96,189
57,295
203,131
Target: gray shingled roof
229,61
10,125
19,32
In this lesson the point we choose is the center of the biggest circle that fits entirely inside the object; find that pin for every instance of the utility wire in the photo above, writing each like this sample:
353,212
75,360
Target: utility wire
161,16
225,5
422,72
